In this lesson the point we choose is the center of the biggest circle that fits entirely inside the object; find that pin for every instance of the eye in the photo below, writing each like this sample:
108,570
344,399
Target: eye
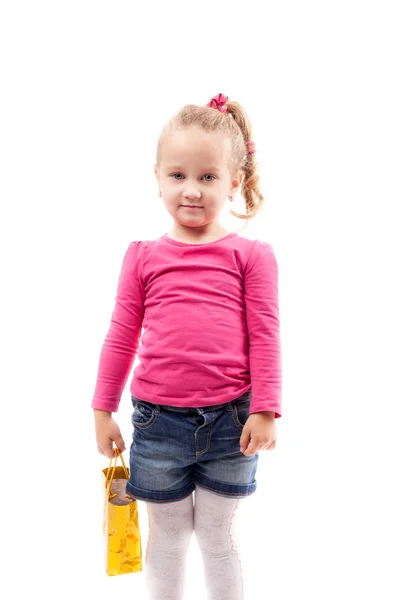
207,175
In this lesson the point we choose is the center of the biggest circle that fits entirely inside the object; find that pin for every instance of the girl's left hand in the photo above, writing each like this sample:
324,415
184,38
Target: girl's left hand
260,431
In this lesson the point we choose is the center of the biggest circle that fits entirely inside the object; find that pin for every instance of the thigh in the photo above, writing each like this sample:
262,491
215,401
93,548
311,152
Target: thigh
214,515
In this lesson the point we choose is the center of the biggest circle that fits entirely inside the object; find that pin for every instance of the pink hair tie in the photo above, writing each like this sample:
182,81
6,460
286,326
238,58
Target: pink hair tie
219,102
251,147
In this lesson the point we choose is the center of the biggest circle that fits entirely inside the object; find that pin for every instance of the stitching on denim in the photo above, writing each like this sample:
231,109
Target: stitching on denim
145,425
208,441
162,500
236,418
222,492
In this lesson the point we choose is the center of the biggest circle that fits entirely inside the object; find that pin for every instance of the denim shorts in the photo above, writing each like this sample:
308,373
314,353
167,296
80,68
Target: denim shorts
175,449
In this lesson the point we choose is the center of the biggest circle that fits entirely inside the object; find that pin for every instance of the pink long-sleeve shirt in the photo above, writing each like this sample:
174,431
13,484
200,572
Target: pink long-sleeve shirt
210,317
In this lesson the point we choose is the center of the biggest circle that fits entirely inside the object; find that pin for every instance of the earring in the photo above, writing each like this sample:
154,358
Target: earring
159,193
231,198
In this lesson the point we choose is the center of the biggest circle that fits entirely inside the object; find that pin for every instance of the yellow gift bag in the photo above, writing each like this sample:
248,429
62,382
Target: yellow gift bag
121,534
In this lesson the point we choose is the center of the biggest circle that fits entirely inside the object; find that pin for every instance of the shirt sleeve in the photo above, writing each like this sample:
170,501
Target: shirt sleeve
262,315
122,340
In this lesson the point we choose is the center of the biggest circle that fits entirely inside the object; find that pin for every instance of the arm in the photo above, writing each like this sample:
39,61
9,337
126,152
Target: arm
122,340
263,327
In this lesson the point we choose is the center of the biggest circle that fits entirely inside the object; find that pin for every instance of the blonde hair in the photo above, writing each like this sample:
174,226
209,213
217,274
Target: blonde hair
234,124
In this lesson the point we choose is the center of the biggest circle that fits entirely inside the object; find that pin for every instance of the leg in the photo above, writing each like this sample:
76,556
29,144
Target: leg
214,526
170,532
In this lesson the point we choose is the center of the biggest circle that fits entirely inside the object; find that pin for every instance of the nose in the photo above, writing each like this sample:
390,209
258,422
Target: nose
191,195
191,192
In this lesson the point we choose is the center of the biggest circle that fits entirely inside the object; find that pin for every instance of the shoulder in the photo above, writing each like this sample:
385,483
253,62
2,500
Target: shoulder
261,248
254,245
133,254
138,251
140,246
261,254
134,249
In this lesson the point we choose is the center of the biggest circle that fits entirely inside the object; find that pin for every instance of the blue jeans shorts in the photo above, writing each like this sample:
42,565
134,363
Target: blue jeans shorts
175,449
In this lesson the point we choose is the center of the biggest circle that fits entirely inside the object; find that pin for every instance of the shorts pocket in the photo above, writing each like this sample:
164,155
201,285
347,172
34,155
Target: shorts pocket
143,415
241,410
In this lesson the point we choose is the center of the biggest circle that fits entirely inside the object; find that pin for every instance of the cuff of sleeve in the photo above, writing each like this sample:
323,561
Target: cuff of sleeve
255,408
105,405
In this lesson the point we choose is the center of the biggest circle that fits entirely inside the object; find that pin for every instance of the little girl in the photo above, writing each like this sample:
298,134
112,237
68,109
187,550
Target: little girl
207,390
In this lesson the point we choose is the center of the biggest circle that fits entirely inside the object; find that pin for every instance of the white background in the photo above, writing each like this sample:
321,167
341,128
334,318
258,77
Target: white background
85,90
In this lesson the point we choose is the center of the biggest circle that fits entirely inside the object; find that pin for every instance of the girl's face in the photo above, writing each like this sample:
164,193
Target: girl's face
194,172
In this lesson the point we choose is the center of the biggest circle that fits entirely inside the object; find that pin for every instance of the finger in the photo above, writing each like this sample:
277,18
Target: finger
251,450
108,451
120,443
244,441
271,446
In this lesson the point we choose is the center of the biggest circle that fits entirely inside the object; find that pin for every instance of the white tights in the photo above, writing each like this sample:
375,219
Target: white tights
171,526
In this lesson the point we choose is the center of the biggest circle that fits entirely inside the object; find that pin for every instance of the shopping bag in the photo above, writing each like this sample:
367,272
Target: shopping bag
120,531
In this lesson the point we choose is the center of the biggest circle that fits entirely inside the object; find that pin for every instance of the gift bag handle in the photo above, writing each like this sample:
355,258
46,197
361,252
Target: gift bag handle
108,483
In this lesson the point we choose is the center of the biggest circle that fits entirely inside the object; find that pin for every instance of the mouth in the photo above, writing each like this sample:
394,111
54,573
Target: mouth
188,206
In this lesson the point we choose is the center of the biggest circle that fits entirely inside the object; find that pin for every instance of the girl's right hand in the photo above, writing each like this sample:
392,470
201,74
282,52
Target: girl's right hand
107,432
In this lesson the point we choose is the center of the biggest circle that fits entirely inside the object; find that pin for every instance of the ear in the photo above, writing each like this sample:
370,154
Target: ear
237,181
156,172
